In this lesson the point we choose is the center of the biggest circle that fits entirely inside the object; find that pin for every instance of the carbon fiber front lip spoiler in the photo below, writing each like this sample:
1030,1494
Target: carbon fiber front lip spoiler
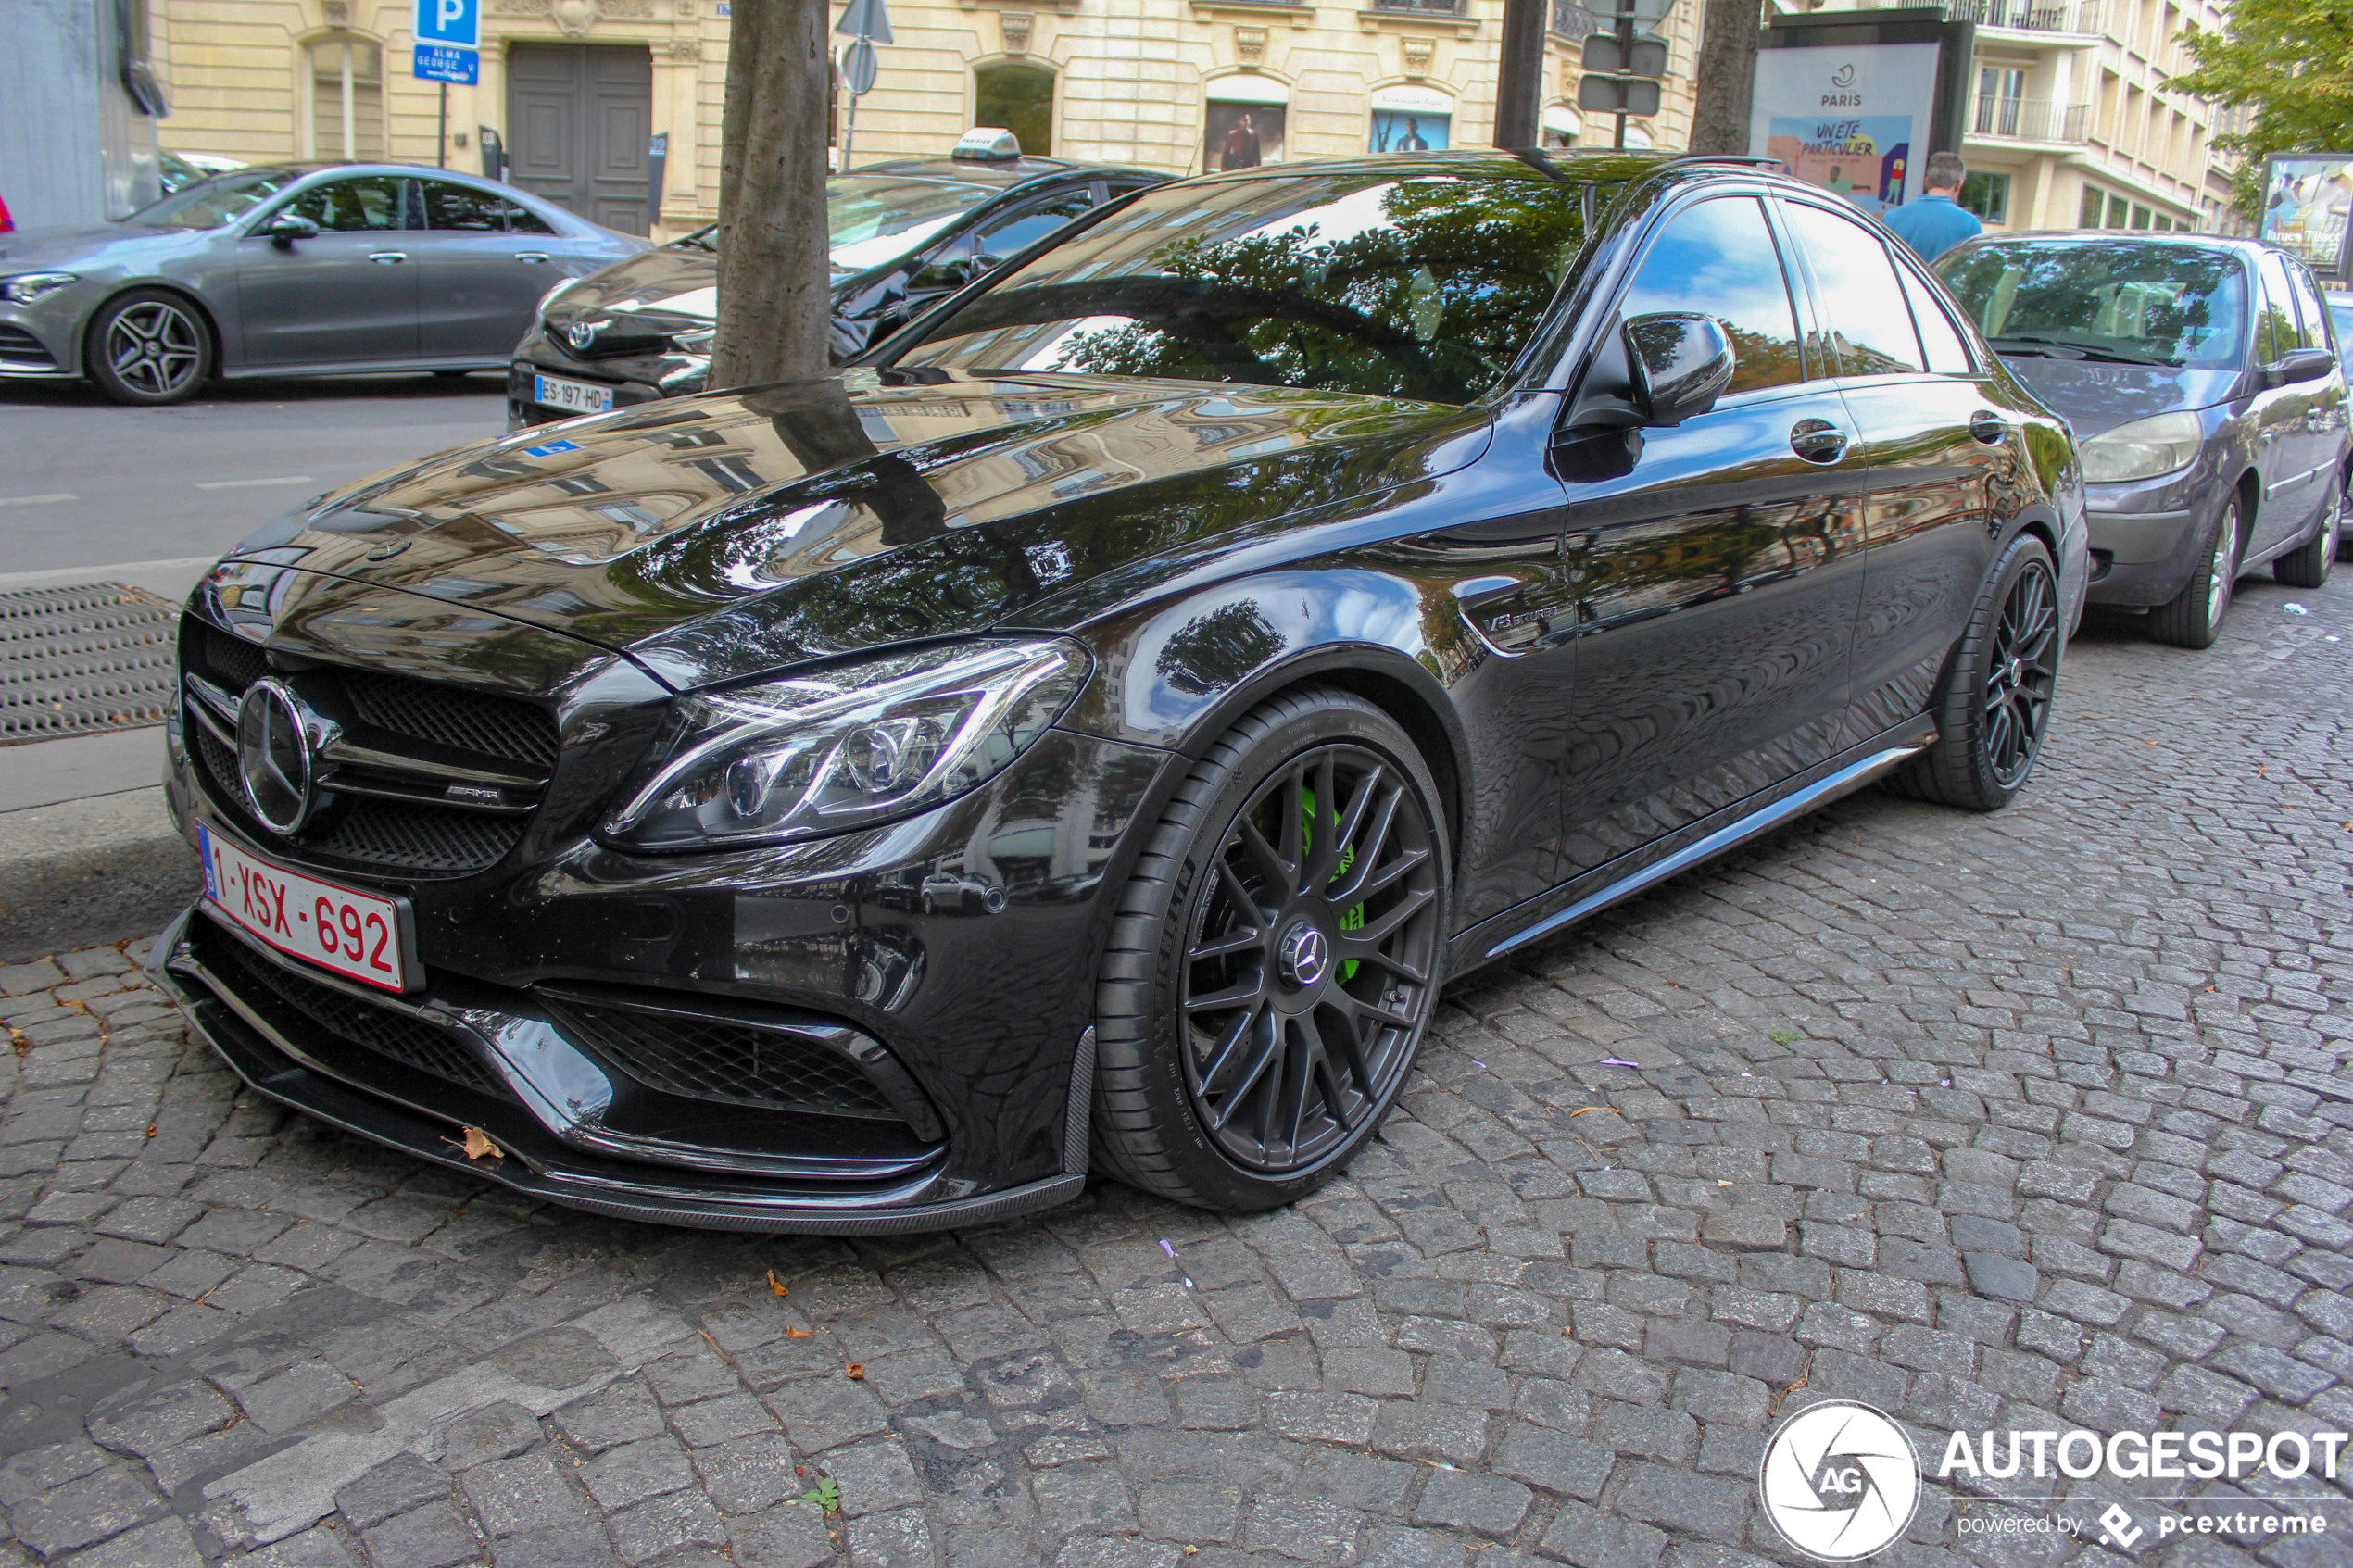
273,1072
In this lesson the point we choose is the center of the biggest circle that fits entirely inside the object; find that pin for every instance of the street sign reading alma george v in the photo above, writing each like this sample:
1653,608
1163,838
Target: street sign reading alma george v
455,22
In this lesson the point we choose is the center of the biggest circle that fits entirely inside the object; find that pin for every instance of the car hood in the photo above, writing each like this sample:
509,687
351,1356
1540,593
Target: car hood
726,535
2093,397
666,286
31,249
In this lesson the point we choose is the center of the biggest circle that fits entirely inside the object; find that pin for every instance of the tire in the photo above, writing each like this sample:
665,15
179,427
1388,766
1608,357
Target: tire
2306,566
1995,705
148,347
1241,1062
2193,618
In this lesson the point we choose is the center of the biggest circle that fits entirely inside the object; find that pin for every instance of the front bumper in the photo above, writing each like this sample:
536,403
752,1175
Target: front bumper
633,379
2148,538
39,339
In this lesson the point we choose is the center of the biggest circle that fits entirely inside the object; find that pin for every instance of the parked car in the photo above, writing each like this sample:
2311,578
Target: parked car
2340,310
1295,587
2201,376
904,233
294,269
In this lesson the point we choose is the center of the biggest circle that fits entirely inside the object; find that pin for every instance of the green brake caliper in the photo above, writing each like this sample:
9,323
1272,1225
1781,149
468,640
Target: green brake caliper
1351,920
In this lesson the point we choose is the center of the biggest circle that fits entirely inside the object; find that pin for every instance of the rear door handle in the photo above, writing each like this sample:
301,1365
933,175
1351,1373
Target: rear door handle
531,256
1988,427
1818,441
387,258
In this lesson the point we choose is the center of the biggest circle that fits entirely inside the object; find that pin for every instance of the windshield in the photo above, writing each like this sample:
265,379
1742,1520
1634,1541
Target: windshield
1355,279
208,204
2114,299
874,218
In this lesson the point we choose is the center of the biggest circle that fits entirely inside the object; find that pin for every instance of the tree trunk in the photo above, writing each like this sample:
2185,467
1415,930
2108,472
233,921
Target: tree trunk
1519,83
1727,77
774,297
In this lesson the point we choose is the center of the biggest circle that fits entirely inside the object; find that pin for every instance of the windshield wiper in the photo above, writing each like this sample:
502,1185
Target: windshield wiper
2029,343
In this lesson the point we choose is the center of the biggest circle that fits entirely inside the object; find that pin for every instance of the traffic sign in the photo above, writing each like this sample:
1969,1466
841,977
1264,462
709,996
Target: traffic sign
1641,10
1636,95
440,62
457,22
1606,52
865,18
859,67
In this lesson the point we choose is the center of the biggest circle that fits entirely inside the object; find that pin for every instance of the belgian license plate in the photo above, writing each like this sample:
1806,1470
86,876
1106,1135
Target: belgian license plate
554,392
363,935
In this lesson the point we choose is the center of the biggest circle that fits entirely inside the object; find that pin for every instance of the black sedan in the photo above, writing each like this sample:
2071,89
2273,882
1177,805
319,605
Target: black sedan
1091,735
905,234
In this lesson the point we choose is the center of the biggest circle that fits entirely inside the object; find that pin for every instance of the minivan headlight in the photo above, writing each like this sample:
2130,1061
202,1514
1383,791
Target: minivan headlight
845,748
2143,450
26,287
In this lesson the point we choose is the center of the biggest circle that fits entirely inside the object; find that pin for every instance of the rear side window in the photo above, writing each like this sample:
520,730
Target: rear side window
1719,257
2276,330
463,209
1948,352
1862,303
2308,306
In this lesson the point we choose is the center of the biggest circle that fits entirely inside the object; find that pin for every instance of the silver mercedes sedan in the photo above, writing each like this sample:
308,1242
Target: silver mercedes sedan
294,269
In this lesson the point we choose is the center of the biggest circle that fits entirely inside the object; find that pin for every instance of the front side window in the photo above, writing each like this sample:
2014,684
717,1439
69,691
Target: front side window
1018,231
363,203
1718,258
1424,286
2125,301
1871,325
872,219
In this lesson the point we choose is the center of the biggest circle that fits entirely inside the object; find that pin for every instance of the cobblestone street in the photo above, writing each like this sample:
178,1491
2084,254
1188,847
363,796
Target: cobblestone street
2040,1120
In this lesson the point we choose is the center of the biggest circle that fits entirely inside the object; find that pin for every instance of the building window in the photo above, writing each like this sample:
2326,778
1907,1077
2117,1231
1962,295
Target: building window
1988,195
1020,98
346,99
2141,216
2116,209
1245,132
2001,97
2095,203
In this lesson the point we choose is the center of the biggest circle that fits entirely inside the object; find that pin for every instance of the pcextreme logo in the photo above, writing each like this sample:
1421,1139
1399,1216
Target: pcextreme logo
1839,1481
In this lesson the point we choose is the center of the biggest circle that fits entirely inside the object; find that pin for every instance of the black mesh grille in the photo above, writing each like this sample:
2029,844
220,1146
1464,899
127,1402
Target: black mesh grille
731,1064
494,726
297,1007
397,835
22,346
229,662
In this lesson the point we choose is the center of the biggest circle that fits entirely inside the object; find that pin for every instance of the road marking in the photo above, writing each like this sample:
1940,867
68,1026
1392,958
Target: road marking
254,484
32,500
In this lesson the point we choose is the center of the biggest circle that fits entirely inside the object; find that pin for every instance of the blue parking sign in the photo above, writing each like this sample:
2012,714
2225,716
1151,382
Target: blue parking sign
439,62
450,21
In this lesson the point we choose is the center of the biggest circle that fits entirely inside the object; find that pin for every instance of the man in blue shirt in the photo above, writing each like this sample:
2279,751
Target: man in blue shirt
1932,222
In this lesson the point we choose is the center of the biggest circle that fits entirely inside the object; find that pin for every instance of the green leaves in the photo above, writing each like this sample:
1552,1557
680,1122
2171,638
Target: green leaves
825,1494
2289,60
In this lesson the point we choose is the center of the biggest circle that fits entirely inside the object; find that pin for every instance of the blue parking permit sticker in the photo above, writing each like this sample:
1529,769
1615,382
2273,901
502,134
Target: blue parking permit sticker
551,449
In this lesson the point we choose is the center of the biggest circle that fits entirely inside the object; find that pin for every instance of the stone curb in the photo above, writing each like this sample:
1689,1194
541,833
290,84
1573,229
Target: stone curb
83,872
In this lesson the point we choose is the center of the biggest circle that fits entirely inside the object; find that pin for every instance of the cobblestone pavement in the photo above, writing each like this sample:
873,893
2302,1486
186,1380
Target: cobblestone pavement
2038,1119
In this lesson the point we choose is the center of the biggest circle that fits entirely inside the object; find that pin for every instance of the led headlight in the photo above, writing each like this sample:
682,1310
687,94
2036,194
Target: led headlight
2143,450
847,746
26,287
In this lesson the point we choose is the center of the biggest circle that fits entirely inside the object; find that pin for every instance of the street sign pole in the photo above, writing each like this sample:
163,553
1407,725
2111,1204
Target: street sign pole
868,23
440,137
447,35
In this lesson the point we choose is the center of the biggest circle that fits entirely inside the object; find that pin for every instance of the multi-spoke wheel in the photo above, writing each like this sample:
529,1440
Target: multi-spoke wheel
1995,705
1276,959
149,347
2193,618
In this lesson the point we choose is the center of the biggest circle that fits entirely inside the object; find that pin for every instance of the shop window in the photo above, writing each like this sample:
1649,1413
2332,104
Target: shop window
1021,99
346,99
1988,195
1239,135
1411,119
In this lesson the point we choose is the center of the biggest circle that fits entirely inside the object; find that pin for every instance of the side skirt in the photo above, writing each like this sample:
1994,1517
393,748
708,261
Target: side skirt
1703,840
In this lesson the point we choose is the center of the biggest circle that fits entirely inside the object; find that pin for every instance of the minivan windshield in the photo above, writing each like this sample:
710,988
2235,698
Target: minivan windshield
2135,302
208,204
1396,281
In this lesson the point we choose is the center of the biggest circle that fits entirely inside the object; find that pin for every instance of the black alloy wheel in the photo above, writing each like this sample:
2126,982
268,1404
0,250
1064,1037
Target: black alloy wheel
1995,707
1276,959
149,347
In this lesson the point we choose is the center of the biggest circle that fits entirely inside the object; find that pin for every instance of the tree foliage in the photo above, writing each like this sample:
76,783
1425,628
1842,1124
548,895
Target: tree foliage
2291,61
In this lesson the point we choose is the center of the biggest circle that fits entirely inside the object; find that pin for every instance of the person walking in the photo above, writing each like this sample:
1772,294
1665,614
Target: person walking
1933,221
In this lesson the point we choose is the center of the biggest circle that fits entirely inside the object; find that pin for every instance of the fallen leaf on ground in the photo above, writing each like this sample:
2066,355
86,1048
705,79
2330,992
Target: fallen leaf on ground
478,1144
798,1333
856,1373
776,1285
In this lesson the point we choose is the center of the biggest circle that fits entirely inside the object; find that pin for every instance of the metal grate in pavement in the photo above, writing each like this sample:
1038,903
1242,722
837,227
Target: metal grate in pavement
84,660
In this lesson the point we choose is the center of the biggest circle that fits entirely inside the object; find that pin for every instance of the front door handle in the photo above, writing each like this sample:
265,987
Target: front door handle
1818,441
1988,427
387,258
535,257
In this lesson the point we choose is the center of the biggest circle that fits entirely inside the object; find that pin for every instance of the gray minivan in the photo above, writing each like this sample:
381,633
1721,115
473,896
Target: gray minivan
2200,376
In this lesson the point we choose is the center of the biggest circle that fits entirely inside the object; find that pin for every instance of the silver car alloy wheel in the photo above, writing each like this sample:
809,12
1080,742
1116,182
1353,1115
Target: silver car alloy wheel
153,348
2225,569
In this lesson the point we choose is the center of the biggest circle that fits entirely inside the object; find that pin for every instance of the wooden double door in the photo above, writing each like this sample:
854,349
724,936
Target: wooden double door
579,125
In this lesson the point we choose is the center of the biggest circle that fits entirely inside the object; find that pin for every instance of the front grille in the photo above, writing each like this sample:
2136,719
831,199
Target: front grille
22,348
372,833
711,1059
297,1007
609,345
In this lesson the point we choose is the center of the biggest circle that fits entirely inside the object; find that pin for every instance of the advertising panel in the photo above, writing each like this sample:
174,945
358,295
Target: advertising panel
2308,198
1856,107
1242,135
1411,119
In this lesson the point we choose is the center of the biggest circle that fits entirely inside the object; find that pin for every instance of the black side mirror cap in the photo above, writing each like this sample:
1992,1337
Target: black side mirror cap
288,227
953,273
1681,362
2301,364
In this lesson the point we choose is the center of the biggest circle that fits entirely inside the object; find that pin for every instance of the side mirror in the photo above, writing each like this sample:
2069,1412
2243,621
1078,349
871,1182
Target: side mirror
985,263
1680,363
2301,364
288,227
953,273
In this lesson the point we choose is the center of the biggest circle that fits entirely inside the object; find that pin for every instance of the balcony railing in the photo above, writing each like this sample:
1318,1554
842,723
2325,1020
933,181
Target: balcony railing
2030,120
1573,21
1423,7
2029,15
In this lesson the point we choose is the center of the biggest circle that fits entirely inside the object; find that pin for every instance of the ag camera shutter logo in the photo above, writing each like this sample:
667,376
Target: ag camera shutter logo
1839,1481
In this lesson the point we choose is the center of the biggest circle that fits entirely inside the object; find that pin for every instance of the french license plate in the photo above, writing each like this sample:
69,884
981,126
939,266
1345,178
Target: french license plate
554,392
362,935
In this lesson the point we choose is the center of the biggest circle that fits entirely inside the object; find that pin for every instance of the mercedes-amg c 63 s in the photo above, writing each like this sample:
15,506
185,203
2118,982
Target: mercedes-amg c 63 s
1093,729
